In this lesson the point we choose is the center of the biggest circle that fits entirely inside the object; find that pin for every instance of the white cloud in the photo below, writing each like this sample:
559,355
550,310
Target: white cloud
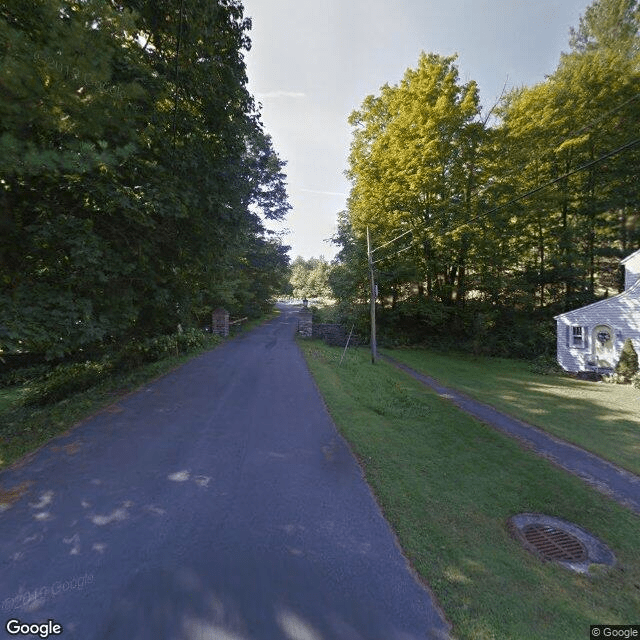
324,193
281,94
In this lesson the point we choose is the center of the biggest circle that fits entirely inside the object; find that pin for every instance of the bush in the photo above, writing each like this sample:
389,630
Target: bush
65,380
69,378
545,365
627,366
192,339
139,352
23,375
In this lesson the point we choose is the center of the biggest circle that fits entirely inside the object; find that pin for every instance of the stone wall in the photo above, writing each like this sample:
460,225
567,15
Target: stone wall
334,334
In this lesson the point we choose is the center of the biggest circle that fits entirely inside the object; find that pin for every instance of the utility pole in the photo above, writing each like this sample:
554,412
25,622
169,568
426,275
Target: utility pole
373,301
374,289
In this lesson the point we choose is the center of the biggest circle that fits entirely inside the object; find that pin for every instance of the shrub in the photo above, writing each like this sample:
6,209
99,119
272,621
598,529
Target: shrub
139,352
627,366
69,378
65,380
192,339
545,365
22,375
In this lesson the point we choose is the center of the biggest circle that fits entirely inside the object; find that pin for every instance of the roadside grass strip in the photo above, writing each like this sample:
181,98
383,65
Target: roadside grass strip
448,484
25,428
602,418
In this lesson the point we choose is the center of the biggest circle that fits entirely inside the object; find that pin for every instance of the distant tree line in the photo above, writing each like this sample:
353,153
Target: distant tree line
515,213
134,172
310,278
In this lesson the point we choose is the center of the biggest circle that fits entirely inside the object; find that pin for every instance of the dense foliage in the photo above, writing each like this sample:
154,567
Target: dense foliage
134,172
310,278
513,214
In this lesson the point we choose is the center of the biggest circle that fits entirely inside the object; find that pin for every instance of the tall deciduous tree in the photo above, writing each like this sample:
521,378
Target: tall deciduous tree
414,165
134,169
583,111
310,278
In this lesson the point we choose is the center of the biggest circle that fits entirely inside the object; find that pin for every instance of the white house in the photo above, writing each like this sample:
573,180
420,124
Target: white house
591,338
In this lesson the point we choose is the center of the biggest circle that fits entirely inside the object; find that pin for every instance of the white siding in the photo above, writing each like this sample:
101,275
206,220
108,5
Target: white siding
621,313
631,270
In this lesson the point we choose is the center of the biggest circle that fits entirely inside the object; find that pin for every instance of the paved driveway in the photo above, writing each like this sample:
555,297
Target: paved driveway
619,484
216,503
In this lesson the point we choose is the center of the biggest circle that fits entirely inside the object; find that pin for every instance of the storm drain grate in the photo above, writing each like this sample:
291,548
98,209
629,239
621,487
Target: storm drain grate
560,541
554,544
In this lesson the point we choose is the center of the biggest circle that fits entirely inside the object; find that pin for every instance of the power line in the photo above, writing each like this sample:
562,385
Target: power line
537,189
602,117
392,240
591,163
397,252
624,147
566,137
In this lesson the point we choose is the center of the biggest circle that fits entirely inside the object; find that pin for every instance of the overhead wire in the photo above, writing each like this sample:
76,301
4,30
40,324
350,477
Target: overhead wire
614,152
563,139
541,187
392,240
624,147
397,252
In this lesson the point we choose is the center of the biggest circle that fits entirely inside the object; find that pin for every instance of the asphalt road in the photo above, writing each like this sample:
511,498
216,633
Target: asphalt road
218,502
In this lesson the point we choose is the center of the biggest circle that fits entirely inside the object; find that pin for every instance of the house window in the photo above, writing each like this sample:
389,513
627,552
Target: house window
577,337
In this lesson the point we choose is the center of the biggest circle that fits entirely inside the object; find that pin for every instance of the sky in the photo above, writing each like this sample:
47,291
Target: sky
313,62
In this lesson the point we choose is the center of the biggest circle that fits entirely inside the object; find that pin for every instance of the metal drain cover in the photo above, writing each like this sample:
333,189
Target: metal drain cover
560,541
554,544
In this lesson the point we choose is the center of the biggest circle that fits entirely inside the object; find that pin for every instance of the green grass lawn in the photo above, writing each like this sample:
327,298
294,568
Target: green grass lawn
603,418
448,483
9,398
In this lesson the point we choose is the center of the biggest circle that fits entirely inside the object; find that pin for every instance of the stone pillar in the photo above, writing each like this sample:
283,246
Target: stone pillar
220,322
305,322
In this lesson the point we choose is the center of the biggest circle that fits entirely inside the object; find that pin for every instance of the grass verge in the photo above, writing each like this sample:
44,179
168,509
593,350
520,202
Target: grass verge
448,484
602,418
25,428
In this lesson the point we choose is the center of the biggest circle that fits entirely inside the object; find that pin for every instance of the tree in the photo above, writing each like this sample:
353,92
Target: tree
608,24
513,221
310,278
627,366
414,165
578,227
134,170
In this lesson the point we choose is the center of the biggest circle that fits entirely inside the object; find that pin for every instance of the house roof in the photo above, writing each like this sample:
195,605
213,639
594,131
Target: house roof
635,254
633,292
